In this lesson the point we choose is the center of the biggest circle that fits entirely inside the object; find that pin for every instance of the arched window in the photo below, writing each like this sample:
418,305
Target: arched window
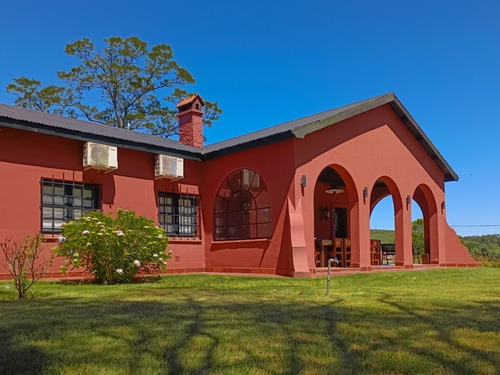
242,207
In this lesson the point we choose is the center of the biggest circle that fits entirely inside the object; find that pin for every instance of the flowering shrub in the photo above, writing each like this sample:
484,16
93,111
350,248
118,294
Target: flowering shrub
113,249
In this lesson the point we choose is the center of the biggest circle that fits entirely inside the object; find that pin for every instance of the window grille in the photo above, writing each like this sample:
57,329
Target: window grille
178,214
242,207
64,201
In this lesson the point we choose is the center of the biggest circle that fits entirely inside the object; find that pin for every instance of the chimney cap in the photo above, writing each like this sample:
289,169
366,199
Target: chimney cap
185,102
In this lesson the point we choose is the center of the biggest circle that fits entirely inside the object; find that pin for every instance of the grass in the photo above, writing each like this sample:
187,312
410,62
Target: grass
443,321
384,235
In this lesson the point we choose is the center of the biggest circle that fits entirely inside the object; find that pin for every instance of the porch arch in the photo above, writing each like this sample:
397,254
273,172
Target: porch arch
424,197
336,213
385,186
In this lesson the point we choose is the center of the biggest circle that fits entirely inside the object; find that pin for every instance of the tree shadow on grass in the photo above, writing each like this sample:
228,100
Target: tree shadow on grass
195,328
16,358
181,334
443,321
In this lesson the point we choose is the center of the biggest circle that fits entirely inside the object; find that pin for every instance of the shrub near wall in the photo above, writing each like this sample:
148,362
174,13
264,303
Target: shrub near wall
114,250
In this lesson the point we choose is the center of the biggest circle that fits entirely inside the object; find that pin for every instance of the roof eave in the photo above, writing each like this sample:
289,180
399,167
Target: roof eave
404,115
302,131
89,137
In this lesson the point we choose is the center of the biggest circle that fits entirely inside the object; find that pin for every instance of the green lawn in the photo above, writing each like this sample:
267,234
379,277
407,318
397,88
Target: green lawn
384,235
444,321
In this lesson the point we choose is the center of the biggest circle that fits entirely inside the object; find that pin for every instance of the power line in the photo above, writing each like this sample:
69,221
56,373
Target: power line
475,226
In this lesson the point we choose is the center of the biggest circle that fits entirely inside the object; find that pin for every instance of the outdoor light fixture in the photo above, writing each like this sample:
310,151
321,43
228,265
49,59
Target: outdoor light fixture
408,200
365,192
334,189
325,213
303,181
443,205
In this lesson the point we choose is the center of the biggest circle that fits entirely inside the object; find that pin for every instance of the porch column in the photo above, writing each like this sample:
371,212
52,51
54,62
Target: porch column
403,229
360,234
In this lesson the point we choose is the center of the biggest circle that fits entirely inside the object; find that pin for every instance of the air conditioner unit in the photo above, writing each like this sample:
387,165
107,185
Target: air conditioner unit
99,156
169,167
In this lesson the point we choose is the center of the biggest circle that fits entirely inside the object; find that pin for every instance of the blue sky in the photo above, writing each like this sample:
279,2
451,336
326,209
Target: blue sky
267,62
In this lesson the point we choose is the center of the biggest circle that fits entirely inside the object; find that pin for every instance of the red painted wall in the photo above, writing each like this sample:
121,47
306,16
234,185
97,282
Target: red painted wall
275,167
27,157
371,146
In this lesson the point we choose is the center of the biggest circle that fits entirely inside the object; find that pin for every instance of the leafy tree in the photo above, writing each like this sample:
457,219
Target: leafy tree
418,239
127,78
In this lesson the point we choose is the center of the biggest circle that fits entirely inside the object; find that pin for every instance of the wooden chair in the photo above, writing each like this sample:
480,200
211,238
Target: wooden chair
338,249
347,252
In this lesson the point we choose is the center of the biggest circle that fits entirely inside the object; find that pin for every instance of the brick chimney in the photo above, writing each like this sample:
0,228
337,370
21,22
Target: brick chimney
191,121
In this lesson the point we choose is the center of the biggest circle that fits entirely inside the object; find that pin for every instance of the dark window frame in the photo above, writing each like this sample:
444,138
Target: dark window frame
61,203
179,217
248,214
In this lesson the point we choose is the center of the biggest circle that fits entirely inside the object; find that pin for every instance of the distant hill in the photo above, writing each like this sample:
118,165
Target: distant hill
384,235
484,248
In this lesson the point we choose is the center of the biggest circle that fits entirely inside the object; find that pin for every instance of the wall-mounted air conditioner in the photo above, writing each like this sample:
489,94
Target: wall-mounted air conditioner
99,156
169,167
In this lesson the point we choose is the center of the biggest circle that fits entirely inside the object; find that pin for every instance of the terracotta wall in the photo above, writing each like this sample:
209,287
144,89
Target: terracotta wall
27,157
371,146
275,167
375,145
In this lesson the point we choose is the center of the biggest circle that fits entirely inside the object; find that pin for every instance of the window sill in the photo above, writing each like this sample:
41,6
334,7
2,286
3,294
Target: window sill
244,240
184,240
48,237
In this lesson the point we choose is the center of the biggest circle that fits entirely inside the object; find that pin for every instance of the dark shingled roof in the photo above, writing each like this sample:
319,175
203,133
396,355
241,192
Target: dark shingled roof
88,131
47,123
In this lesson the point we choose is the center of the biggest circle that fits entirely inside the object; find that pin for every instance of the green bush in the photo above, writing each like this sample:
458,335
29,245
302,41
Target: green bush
114,250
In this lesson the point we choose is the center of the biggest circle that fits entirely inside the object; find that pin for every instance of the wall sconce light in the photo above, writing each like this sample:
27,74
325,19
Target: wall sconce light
408,200
303,181
365,192
325,213
443,205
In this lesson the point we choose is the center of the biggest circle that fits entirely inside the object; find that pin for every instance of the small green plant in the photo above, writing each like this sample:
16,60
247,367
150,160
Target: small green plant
114,250
22,260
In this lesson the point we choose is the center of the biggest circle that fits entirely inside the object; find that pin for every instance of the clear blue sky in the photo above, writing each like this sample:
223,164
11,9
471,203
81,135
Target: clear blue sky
267,62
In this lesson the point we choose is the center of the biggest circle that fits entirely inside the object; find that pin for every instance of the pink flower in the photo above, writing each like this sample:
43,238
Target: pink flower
85,232
137,263
119,233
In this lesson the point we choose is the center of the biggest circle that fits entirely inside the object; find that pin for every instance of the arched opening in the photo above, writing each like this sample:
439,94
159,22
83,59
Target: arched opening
334,201
385,224
242,207
428,253
382,233
418,234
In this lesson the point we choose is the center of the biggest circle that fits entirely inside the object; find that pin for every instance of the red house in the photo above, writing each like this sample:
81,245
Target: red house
281,200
